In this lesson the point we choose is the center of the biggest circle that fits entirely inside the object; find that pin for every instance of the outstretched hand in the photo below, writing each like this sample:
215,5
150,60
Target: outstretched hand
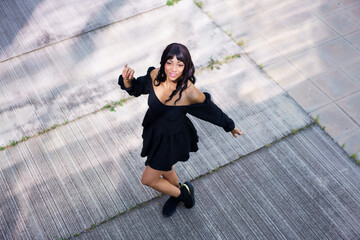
236,131
128,73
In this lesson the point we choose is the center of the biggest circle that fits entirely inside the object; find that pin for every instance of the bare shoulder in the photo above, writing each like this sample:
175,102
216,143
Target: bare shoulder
194,95
154,73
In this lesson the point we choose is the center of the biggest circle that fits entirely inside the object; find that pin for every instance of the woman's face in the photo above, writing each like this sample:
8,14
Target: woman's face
173,69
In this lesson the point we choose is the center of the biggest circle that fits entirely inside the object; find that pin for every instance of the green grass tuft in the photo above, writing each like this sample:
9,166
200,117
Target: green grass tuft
211,63
241,42
106,106
199,4
261,66
1,148
353,156
172,2
92,226
295,130
24,138
120,103
317,119
228,33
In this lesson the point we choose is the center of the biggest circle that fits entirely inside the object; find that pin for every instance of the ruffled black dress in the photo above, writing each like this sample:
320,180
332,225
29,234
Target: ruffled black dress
169,135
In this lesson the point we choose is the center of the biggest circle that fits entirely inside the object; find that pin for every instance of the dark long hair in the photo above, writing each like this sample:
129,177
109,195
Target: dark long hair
182,54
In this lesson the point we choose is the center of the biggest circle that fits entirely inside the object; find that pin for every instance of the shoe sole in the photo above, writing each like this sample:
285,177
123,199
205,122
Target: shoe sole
192,193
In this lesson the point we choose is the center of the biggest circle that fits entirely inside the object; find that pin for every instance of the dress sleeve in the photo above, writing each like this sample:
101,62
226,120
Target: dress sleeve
210,112
140,85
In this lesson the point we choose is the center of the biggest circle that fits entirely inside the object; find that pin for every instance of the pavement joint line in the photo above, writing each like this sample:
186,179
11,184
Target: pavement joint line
83,33
131,208
112,104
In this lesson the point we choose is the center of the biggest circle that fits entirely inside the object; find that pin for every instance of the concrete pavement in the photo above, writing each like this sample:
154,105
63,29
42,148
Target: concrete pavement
310,48
81,176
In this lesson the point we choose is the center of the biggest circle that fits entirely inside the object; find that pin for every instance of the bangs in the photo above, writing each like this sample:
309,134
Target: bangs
176,52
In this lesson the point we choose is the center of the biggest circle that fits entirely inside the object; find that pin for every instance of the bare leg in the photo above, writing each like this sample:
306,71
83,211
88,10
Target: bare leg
172,177
152,178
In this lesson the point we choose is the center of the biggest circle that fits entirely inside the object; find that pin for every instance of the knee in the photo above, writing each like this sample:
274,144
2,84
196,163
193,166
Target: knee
147,181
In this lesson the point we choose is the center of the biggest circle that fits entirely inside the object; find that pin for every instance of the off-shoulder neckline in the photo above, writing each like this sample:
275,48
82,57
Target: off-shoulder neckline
189,105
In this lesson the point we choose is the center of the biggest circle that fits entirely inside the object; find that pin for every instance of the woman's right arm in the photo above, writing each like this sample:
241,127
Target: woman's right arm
135,86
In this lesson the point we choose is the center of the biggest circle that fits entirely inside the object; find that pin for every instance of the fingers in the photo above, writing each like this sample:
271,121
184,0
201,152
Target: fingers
128,73
236,132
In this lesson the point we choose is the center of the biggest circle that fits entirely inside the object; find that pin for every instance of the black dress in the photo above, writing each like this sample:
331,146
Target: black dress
169,135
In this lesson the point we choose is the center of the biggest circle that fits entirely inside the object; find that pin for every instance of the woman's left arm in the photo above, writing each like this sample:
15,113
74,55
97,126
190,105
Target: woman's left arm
208,111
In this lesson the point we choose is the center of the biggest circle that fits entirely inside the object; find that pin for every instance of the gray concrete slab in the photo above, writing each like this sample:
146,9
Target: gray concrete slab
77,76
309,96
353,71
303,187
88,170
355,10
29,25
262,52
335,84
311,63
285,74
339,52
292,13
351,106
324,8
343,22
336,122
354,38
316,32
351,141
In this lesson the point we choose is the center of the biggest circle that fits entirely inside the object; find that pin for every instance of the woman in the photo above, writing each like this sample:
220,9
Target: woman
169,135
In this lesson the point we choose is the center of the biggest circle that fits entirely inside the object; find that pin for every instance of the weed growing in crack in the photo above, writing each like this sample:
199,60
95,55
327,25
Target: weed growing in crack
120,103
261,66
92,226
343,145
172,2
199,4
24,138
355,157
13,143
1,148
212,63
106,106
317,119
295,130
229,33
241,43
43,131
